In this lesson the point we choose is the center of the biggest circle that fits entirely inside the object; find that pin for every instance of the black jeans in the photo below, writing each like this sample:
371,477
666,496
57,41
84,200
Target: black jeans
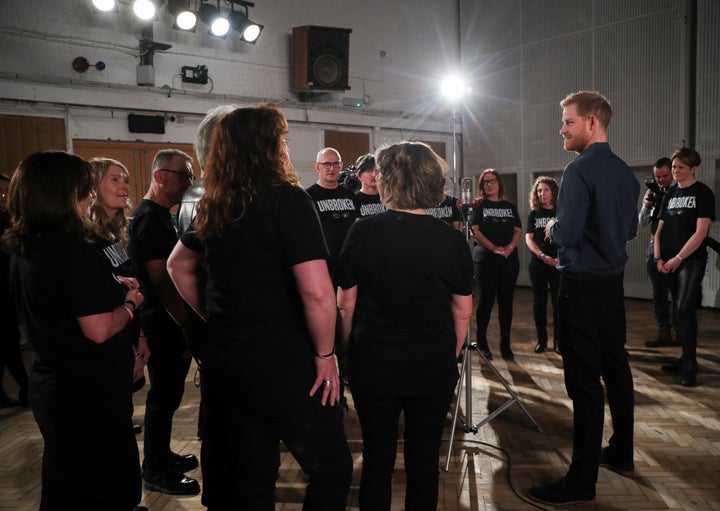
661,290
685,288
168,367
424,422
497,280
544,277
240,456
592,336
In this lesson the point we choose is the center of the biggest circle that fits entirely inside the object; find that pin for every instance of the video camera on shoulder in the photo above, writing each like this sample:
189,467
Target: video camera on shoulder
655,191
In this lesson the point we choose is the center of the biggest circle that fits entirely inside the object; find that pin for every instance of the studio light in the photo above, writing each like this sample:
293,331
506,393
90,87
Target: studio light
212,16
454,88
104,5
248,30
144,9
185,18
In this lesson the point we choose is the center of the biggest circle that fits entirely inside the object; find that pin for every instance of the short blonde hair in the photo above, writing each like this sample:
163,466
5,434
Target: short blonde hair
412,175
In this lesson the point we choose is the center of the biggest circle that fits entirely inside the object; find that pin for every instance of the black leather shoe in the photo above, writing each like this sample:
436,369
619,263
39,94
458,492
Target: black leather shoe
673,366
556,346
183,462
170,482
137,429
626,469
540,347
560,493
688,376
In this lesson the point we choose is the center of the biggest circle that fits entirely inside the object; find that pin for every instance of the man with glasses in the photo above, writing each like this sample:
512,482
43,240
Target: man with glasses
152,235
335,203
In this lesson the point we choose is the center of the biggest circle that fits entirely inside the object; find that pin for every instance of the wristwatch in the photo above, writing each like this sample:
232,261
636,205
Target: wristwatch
657,259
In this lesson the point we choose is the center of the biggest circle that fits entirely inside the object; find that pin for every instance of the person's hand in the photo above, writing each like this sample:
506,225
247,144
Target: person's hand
507,251
649,204
548,226
143,350
328,379
670,266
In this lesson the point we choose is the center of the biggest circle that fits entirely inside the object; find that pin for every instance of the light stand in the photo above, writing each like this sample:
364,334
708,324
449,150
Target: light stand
469,348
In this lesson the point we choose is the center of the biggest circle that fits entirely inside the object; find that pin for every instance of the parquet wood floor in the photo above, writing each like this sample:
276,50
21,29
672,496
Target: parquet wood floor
677,434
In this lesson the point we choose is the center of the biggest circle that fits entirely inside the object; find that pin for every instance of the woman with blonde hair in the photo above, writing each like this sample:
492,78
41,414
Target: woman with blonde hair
542,268
108,214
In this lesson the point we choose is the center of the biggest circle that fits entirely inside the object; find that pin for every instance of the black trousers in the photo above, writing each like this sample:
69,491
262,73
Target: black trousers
240,456
90,455
168,367
661,290
424,418
497,279
592,336
544,278
685,288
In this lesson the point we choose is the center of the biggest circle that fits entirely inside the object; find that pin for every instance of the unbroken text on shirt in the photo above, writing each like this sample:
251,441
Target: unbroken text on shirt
335,205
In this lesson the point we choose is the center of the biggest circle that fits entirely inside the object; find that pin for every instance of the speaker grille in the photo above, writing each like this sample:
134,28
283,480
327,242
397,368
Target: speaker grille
327,71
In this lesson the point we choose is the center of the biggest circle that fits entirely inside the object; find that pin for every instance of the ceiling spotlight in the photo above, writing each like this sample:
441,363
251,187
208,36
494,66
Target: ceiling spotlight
185,19
144,9
455,89
104,5
212,16
249,31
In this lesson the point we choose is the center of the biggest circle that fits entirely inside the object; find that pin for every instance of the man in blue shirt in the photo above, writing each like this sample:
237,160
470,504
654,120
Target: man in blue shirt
596,216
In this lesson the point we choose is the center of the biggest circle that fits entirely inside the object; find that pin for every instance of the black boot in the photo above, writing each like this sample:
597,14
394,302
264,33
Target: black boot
688,376
673,367
483,348
505,350
541,346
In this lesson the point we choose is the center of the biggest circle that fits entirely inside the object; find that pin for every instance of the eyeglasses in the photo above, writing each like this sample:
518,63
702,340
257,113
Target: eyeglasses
182,176
331,164
490,181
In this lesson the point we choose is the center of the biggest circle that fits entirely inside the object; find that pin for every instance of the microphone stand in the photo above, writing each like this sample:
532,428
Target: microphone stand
466,373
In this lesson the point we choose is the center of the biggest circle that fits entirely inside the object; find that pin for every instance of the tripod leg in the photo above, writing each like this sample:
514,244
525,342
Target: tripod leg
463,372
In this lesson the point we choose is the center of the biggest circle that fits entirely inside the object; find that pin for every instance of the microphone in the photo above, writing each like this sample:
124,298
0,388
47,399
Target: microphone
466,188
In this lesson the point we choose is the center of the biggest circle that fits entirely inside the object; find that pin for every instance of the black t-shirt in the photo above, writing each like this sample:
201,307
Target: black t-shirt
151,235
680,210
368,204
447,210
59,278
337,211
256,329
536,222
406,268
496,220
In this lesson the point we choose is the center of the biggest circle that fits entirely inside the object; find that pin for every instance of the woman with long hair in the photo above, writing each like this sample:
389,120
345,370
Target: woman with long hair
681,253
76,314
406,299
269,370
109,213
542,268
497,229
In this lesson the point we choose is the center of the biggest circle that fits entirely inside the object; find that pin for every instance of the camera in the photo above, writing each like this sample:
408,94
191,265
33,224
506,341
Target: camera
348,178
654,189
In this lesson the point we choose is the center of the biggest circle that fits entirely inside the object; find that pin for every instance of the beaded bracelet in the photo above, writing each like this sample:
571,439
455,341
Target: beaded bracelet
127,309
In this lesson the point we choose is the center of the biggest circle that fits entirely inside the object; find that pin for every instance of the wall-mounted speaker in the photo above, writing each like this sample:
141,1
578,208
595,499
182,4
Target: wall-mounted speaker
320,58
146,123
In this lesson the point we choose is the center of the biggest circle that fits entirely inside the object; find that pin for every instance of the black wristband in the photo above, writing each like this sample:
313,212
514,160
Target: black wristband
325,357
131,303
